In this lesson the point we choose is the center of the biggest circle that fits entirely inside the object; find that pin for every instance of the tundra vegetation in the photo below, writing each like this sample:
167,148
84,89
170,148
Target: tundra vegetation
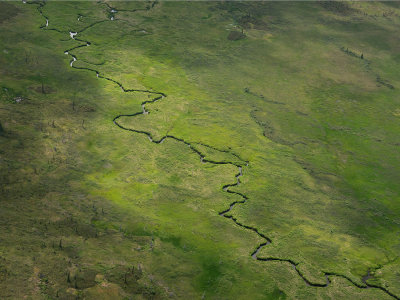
298,100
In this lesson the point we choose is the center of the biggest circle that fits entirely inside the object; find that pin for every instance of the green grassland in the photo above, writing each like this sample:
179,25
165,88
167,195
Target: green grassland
305,101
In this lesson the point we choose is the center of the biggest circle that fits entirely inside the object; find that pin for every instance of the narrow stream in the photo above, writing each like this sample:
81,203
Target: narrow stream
202,157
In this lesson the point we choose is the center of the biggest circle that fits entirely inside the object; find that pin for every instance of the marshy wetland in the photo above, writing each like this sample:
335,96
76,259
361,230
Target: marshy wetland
199,150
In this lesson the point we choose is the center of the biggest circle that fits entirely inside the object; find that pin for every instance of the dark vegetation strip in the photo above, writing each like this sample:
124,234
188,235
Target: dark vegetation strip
379,80
248,91
224,213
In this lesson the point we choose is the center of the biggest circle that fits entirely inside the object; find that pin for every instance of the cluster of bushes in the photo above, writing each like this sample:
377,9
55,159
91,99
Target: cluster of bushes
351,53
337,7
236,35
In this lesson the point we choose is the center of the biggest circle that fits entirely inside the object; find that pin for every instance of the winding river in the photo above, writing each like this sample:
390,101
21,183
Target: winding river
158,96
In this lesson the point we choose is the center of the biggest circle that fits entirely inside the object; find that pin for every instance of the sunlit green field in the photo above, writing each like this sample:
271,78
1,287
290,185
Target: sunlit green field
302,97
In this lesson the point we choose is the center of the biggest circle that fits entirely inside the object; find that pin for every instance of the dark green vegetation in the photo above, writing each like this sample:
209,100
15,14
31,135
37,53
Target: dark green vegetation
307,93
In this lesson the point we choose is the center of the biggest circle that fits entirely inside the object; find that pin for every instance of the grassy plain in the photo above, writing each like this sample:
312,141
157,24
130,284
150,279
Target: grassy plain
92,211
